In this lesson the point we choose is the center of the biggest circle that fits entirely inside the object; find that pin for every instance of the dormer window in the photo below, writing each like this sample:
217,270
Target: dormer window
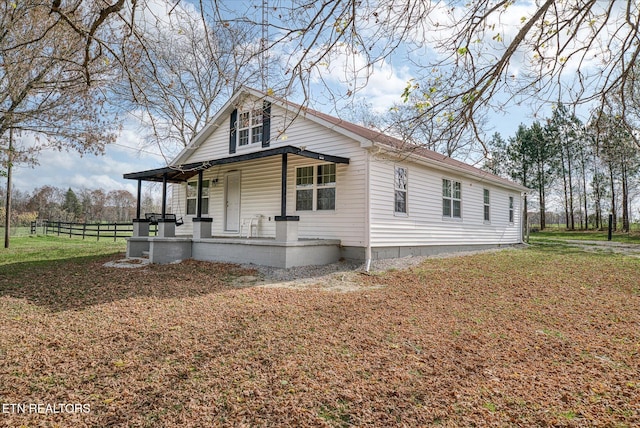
250,127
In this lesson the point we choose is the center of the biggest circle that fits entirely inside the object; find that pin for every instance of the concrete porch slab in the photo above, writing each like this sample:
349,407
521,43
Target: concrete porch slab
259,251
267,252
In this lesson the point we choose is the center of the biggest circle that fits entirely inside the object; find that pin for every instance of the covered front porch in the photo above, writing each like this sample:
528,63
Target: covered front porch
284,250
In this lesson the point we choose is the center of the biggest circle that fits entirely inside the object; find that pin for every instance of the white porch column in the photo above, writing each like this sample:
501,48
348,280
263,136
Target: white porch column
140,227
202,228
166,228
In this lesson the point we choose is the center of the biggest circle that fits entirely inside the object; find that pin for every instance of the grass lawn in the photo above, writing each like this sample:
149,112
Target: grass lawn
44,249
545,336
582,235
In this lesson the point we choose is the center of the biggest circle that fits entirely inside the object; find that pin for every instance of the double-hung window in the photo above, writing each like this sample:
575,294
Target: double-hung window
400,190
510,209
487,205
250,127
451,198
316,188
192,197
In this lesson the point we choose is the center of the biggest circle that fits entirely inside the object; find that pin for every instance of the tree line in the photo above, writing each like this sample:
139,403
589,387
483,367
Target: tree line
80,205
72,71
592,168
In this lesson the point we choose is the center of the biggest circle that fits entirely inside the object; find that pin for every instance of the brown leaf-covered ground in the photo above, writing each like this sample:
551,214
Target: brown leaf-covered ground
534,337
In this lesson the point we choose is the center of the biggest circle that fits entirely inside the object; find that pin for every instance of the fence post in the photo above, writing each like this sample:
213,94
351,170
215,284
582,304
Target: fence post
84,229
58,227
98,233
70,229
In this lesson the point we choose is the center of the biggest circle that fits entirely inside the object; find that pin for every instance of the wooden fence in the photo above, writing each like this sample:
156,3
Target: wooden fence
90,230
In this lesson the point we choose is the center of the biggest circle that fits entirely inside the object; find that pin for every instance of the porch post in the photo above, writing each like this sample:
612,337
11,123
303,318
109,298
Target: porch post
199,199
283,187
164,194
140,225
201,226
139,198
286,226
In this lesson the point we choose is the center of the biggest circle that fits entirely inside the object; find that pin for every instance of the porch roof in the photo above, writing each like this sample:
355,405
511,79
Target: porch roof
181,173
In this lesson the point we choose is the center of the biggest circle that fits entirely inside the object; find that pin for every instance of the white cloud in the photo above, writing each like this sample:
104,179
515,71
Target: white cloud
70,169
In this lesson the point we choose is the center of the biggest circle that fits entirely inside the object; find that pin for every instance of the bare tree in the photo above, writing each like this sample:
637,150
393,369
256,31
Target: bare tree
470,57
178,70
123,204
46,95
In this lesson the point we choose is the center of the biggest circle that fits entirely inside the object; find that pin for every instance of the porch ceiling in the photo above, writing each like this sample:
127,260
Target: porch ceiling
181,173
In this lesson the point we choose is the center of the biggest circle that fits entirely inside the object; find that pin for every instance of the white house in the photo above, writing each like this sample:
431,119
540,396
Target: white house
270,182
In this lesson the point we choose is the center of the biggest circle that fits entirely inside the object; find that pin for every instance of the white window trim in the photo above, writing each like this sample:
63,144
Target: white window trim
314,187
405,190
511,212
252,114
206,184
485,205
451,198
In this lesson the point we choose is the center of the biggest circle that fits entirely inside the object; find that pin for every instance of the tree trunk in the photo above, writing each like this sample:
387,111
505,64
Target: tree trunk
570,175
613,200
543,222
584,189
625,199
7,211
543,209
564,182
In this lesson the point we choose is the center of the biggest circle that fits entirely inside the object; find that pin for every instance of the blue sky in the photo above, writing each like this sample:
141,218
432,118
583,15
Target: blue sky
68,169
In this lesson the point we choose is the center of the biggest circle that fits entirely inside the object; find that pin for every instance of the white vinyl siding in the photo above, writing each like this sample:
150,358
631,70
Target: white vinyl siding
423,225
261,180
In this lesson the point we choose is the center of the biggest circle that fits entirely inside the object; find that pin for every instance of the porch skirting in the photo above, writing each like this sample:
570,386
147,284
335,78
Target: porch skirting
265,252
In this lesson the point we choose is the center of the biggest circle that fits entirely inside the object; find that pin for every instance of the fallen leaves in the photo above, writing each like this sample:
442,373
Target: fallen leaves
517,338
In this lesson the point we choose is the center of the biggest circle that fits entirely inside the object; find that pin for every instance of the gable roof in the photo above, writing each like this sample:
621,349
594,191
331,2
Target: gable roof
365,136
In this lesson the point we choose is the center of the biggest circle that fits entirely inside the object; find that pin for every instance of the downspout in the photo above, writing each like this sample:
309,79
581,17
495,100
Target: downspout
367,217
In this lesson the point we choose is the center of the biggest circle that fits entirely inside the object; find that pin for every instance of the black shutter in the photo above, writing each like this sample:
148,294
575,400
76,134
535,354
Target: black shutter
232,131
266,123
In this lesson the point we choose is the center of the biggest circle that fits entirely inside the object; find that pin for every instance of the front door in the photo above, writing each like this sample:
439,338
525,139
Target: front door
232,202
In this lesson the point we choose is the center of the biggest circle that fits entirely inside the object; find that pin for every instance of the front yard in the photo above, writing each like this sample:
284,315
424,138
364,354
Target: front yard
548,335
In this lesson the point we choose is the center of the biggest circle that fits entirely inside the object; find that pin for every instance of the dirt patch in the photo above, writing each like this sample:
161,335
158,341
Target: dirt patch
342,282
342,277
128,263
602,247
